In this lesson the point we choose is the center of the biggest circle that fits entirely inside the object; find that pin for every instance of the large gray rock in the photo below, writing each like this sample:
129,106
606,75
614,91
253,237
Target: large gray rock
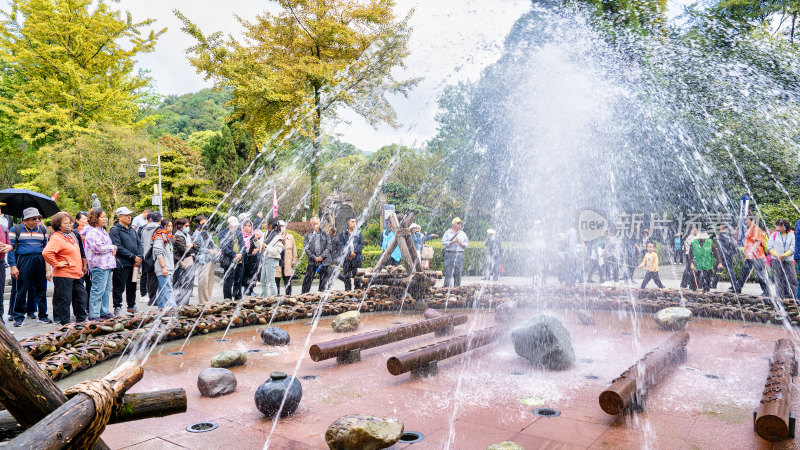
507,445
216,382
363,432
275,336
673,318
544,342
346,321
272,396
229,358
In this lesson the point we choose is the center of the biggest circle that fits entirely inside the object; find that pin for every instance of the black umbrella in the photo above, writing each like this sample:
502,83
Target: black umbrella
17,200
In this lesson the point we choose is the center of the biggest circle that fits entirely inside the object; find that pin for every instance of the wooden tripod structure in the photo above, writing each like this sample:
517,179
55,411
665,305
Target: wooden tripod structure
51,420
415,281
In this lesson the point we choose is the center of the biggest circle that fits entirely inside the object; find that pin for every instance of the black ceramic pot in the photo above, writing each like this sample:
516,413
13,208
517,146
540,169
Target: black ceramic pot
269,395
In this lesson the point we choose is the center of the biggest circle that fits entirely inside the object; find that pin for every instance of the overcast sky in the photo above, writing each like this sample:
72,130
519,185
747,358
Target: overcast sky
452,40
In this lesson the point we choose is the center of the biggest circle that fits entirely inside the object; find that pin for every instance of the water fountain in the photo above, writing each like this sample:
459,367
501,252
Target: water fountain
572,115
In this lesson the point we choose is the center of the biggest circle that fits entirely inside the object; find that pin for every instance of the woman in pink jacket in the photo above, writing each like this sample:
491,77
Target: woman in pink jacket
100,254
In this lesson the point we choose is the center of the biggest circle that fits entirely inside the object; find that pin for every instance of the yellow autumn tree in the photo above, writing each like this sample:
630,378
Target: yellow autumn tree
293,71
74,62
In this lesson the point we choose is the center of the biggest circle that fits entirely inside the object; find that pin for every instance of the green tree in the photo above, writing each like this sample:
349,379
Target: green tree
76,59
295,69
184,115
225,156
185,193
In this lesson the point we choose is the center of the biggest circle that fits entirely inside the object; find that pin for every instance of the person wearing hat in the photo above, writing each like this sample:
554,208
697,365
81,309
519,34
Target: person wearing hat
420,239
285,270
28,266
454,242
206,254
129,258
148,282
351,243
493,248
703,255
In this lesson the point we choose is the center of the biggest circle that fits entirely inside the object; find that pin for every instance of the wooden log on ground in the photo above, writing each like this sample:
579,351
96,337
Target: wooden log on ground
337,347
772,420
61,426
133,407
25,391
414,359
631,387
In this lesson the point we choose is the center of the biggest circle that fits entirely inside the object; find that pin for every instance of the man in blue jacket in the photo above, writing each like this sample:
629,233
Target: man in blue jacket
28,267
129,257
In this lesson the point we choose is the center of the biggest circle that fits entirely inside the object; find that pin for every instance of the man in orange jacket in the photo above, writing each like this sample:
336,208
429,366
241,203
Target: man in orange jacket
754,257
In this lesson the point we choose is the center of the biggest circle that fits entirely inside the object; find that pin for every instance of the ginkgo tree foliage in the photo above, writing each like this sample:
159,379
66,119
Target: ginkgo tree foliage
292,72
74,60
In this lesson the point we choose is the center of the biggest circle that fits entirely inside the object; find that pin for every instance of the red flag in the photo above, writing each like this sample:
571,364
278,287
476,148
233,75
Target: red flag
274,203
55,196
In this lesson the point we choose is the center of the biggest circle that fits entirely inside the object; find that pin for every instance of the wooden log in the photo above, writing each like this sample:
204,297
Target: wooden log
337,347
772,420
26,392
61,426
133,407
631,387
442,350
402,237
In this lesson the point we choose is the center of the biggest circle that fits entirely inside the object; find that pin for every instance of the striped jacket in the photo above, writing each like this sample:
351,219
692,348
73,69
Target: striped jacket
26,241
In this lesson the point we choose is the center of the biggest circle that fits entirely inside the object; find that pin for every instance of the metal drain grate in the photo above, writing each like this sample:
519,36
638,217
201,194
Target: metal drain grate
221,340
254,350
411,437
517,373
309,377
176,353
202,427
546,412
713,377
742,335
590,377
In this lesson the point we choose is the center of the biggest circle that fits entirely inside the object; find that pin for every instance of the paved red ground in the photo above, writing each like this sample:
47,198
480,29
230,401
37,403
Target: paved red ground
477,399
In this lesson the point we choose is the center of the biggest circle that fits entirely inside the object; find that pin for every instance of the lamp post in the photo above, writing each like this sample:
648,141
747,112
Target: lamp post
143,172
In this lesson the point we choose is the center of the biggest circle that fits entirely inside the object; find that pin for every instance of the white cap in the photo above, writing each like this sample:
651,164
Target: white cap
414,225
491,231
124,211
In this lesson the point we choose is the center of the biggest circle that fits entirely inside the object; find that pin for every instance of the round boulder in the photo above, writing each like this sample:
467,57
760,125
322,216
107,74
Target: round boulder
216,382
269,395
544,342
673,318
346,321
229,358
360,431
275,336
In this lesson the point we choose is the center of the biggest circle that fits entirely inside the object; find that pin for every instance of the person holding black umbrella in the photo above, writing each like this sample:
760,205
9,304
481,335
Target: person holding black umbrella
28,267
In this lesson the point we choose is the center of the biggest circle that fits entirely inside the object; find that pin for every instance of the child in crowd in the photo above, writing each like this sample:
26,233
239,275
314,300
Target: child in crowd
650,264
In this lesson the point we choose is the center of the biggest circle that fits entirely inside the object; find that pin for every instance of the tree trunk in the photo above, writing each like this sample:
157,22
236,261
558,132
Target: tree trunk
314,168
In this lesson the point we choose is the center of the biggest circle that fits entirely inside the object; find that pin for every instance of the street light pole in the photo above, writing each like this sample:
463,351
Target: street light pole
160,192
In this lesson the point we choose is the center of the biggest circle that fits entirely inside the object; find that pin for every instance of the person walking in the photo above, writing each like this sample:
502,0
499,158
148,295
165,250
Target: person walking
317,250
231,244
573,264
206,253
184,252
386,239
493,249
100,253
597,259
129,258
149,279
28,267
454,242
63,254
650,264
352,244
781,247
251,258
688,278
676,248
285,270
703,255
333,268
271,250
613,256
753,257
164,253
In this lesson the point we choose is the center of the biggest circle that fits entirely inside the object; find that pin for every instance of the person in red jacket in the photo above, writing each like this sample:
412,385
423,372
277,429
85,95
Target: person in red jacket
754,257
63,253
